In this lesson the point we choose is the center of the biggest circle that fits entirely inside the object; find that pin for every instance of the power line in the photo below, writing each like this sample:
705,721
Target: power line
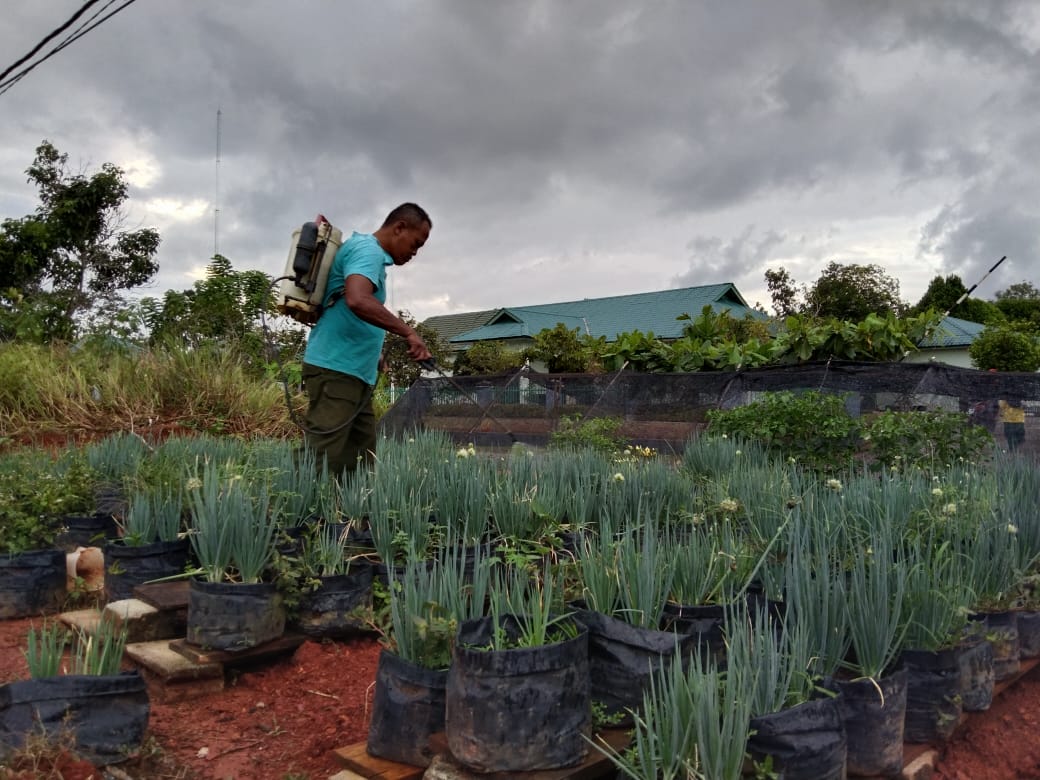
50,35
82,30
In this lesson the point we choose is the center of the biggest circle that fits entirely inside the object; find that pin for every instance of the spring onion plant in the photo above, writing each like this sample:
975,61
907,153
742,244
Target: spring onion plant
937,597
460,489
694,723
151,515
768,660
99,652
535,604
713,564
646,570
116,458
45,648
876,593
427,602
815,592
232,528
291,476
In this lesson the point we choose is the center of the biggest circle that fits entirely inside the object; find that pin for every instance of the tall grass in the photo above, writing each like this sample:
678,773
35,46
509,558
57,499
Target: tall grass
58,390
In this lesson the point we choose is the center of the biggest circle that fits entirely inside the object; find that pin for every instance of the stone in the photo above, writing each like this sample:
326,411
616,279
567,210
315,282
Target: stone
144,623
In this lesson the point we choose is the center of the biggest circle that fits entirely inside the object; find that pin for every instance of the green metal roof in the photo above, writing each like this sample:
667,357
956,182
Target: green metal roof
451,325
653,312
951,333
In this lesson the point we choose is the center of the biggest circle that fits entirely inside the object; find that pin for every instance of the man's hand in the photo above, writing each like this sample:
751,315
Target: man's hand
417,349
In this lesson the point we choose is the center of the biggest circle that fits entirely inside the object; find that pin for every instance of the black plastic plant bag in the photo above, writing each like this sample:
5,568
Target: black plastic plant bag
407,709
520,709
106,715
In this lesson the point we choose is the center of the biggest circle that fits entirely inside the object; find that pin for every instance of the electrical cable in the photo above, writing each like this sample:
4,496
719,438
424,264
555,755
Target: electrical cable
82,30
85,7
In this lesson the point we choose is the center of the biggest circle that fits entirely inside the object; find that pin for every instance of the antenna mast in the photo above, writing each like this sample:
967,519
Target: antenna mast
216,194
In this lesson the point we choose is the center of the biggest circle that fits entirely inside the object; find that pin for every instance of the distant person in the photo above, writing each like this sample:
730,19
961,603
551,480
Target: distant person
344,349
985,413
1014,418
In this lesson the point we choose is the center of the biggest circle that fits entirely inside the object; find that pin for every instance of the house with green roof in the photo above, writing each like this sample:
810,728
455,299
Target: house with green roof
948,343
651,312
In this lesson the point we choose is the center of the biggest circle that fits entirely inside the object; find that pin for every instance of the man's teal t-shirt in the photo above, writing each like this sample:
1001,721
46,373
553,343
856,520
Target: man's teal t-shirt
340,340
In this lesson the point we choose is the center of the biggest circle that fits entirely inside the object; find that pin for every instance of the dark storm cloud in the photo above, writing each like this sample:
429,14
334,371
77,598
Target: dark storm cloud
583,141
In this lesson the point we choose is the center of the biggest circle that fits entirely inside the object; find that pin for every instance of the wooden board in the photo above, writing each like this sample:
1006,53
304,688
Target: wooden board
356,759
197,654
164,596
596,765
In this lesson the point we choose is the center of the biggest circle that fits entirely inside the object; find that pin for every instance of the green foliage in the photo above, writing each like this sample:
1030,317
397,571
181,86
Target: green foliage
70,254
401,369
782,291
813,428
595,433
566,351
34,490
853,291
487,357
942,296
1005,349
928,440
45,648
223,309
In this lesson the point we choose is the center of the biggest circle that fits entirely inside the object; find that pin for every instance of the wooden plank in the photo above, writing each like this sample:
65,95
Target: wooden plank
595,765
197,654
164,596
356,758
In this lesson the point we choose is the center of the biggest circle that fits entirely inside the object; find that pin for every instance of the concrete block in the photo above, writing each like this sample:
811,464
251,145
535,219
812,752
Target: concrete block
922,767
157,657
143,622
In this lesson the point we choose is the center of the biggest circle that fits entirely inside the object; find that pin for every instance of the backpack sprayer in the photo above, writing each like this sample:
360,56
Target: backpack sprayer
302,287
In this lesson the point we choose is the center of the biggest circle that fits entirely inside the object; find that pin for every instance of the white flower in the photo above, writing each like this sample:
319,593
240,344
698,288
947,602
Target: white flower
619,477
728,505
724,436
411,441
937,492
736,452
1012,528
463,453
193,484
833,484
950,509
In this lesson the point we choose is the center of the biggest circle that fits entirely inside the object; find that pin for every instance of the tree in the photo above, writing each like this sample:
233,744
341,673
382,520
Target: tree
942,296
224,308
782,291
1005,349
397,365
1020,304
71,254
851,292
487,357
566,351
1023,291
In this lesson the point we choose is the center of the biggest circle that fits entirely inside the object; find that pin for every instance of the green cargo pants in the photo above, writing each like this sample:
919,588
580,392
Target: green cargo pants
340,421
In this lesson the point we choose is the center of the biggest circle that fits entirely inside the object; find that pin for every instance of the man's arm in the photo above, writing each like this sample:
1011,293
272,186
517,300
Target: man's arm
358,294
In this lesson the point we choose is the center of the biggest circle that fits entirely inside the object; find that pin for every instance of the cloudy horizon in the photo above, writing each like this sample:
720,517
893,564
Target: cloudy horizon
564,150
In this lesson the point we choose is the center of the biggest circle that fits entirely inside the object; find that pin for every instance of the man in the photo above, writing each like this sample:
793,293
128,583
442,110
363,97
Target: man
343,356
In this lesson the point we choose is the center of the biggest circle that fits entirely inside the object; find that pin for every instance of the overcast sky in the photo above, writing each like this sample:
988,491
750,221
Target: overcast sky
564,149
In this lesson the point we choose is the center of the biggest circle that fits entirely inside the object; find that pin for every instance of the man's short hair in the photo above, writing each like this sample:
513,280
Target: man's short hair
411,213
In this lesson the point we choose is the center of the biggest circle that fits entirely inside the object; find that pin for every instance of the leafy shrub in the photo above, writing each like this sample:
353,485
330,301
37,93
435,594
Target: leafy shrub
597,433
1005,349
812,427
931,441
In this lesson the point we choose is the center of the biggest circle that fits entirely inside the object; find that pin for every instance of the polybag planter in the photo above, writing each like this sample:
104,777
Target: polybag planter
520,709
234,616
